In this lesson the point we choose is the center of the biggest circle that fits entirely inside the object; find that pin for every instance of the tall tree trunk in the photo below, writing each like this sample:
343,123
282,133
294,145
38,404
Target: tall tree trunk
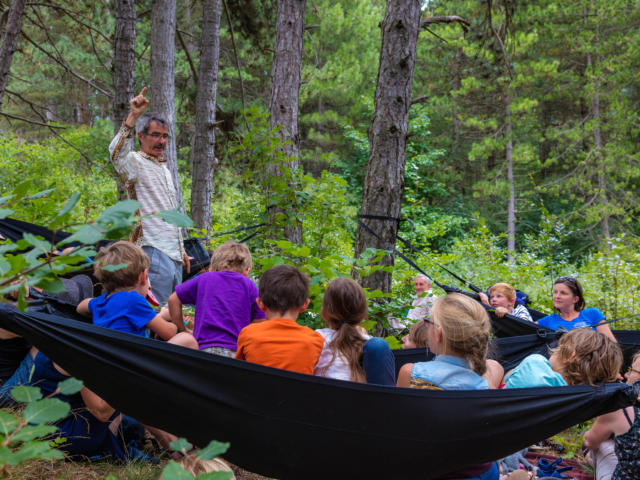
10,42
456,84
162,84
203,157
511,210
124,43
384,182
597,133
285,87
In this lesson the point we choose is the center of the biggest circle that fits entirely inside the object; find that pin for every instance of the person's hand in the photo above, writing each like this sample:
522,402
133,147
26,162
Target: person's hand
138,104
501,311
186,261
483,298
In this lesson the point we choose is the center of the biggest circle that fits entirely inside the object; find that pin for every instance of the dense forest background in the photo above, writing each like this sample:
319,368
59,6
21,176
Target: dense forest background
522,155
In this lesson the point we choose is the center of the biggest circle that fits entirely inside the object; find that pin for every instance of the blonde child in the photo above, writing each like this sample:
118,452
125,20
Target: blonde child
582,357
458,334
614,438
502,297
225,300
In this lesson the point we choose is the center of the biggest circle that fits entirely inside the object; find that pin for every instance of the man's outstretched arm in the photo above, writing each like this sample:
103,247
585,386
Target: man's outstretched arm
123,143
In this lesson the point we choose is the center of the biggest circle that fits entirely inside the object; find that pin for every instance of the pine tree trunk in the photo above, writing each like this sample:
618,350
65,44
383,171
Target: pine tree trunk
162,85
285,87
511,210
203,157
124,42
10,42
384,182
597,135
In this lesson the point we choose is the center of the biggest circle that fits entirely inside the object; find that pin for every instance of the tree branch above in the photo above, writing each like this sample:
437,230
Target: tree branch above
428,21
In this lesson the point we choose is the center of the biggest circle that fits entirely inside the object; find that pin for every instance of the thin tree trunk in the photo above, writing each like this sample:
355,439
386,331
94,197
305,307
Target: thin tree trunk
457,83
10,42
285,87
124,42
162,85
597,134
511,210
203,158
384,182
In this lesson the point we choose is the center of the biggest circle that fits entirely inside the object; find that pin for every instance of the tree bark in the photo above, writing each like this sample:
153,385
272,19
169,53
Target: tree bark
203,157
457,84
285,87
597,134
10,42
162,85
511,210
384,182
124,42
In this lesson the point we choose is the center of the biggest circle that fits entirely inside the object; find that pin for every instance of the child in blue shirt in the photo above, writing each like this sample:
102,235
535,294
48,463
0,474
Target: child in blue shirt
123,270
582,357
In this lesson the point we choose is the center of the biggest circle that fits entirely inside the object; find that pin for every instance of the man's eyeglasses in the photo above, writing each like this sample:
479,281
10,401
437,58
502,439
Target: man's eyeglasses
631,369
157,136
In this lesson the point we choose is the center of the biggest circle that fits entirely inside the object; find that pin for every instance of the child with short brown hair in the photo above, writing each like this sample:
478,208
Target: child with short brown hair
417,336
279,341
225,300
123,270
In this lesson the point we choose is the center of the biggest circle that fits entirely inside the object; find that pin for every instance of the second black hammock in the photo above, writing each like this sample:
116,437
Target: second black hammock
289,425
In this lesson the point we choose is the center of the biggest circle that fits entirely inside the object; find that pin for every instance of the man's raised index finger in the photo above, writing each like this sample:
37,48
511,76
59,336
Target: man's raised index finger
143,91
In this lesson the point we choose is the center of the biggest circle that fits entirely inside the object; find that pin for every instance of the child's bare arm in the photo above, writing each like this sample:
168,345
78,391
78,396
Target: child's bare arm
83,307
601,430
165,330
175,311
494,374
404,375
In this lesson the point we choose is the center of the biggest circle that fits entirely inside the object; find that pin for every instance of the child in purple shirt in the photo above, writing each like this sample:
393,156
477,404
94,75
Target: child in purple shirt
225,300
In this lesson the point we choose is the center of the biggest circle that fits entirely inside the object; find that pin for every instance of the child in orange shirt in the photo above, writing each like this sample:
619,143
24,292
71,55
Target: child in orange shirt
279,341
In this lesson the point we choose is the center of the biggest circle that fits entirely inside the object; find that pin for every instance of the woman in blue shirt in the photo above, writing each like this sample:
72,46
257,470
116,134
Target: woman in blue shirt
568,300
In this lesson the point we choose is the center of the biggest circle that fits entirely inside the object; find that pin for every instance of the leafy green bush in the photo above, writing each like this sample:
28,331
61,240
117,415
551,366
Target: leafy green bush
22,433
55,164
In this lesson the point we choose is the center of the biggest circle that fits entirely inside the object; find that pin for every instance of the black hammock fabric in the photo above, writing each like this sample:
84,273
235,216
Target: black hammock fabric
14,229
508,351
511,351
289,425
510,326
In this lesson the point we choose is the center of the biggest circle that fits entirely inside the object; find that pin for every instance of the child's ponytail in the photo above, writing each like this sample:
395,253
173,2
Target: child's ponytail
344,305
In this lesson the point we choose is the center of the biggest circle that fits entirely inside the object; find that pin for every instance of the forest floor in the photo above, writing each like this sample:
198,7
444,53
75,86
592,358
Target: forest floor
68,470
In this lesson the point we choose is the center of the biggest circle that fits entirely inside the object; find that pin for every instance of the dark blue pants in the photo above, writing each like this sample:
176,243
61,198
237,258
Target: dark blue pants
379,363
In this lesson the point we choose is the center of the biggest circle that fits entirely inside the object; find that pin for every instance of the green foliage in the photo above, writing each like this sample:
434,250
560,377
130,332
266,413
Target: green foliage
42,264
174,471
54,172
22,433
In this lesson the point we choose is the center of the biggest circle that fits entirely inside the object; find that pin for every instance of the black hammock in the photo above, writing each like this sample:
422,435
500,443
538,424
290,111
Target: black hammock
289,425
510,351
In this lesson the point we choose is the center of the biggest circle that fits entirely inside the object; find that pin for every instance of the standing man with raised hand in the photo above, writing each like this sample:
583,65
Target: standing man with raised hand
148,180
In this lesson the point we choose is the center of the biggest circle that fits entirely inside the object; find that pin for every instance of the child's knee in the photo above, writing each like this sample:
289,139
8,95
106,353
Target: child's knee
184,339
